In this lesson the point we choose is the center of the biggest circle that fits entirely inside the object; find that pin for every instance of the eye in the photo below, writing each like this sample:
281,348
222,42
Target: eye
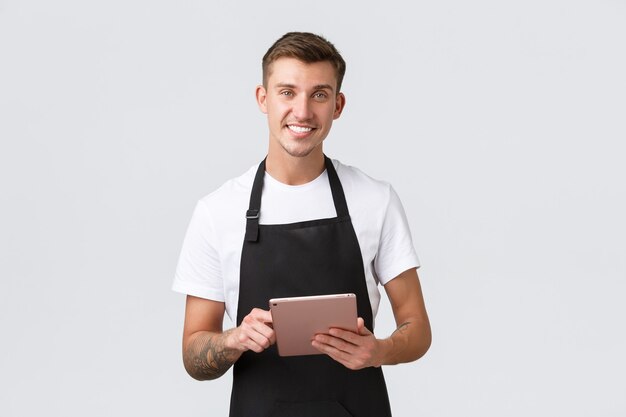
286,93
320,96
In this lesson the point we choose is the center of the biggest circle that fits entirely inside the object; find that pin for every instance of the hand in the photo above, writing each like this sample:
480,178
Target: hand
353,350
254,333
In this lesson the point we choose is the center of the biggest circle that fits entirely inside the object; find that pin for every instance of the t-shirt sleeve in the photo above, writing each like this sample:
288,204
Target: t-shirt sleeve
199,272
396,253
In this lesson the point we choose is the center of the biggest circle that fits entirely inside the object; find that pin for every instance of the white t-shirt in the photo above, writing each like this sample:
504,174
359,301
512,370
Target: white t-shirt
210,258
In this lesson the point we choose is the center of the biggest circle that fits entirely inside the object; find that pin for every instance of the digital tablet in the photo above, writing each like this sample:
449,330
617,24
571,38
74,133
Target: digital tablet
296,320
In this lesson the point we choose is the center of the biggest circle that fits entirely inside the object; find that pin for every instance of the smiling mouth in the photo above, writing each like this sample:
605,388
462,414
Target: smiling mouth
299,129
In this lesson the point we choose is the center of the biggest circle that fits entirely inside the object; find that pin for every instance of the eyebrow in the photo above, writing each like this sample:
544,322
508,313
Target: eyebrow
316,87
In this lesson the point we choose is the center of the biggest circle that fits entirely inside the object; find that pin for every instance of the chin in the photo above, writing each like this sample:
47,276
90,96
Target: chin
299,150
298,153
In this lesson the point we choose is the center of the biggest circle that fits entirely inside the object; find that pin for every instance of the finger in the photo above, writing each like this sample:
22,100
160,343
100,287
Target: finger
263,316
260,320
250,345
264,330
264,324
261,340
335,342
330,350
260,333
361,329
253,341
345,335
334,353
241,340
256,331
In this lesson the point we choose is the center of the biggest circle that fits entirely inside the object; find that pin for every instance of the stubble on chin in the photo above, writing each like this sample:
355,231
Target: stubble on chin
299,151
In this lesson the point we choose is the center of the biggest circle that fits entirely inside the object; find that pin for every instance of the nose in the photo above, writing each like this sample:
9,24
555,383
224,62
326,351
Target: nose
302,108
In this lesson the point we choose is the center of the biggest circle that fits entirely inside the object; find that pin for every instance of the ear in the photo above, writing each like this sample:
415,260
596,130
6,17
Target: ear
340,103
261,98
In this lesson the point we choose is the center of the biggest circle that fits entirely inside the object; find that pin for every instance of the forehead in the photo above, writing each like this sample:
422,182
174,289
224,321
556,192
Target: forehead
302,74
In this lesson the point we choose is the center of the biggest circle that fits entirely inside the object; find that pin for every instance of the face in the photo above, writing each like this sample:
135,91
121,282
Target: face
301,102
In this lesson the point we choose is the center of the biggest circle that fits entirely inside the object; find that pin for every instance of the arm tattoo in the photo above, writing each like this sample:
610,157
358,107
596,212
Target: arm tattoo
207,357
403,327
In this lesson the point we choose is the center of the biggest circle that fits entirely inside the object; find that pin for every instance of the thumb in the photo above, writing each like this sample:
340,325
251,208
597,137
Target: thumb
360,327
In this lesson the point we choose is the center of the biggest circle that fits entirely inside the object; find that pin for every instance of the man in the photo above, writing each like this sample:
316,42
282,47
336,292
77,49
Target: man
309,225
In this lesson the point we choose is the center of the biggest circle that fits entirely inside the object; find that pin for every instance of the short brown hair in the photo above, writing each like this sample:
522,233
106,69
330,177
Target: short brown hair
306,47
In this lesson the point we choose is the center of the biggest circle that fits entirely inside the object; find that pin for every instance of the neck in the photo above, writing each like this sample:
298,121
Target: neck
292,170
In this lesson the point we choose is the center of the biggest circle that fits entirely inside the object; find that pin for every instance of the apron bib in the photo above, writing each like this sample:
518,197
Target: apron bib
307,258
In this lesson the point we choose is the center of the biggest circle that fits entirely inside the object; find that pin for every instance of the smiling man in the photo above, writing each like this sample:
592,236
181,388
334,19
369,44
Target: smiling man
300,224
300,105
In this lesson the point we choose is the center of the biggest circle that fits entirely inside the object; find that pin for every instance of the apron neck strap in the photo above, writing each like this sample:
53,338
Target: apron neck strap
339,197
254,209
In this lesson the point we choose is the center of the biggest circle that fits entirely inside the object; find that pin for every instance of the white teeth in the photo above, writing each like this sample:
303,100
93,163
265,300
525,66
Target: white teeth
299,129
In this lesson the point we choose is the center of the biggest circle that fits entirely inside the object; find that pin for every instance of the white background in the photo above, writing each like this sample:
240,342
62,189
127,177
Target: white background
500,124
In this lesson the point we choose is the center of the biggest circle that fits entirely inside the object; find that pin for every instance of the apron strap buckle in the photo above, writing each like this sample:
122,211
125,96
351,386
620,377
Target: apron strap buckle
252,225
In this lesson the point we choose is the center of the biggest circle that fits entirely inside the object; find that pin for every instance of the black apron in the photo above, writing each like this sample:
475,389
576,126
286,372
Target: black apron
308,258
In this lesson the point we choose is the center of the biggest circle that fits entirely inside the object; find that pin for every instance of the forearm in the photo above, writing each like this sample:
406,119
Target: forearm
206,355
409,342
